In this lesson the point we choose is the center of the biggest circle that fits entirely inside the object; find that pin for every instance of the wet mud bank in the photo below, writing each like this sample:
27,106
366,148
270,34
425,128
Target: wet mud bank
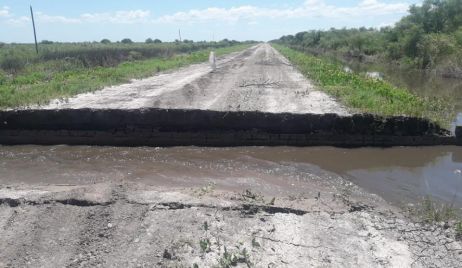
135,225
179,127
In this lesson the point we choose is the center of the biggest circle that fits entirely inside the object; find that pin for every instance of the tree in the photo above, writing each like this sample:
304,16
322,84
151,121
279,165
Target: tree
157,41
105,41
430,35
46,42
149,41
126,41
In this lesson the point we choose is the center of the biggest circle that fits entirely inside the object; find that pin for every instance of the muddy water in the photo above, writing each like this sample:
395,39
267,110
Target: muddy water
422,83
400,175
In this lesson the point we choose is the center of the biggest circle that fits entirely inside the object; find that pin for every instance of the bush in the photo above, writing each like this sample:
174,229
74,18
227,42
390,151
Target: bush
149,41
46,42
135,55
458,36
394,51
2,78
12,64
105,41
126,41
157,41
433,48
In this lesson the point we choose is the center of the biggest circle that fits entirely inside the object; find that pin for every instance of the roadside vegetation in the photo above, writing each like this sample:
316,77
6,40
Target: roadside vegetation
430,38
64,70
367,94
433,213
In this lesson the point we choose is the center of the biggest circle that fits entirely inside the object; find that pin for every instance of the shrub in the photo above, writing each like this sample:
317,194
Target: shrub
157,41
105,41
458,36
2,78
149,41
126,41
135,55
13,64
46,42
434,47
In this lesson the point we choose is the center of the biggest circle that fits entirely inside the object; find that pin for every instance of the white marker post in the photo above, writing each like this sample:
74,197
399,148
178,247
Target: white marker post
213,61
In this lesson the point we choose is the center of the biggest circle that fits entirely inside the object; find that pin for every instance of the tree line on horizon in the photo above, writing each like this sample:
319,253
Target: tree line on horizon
130,41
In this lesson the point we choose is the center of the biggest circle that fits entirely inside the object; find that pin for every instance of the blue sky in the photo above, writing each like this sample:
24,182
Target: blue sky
88,20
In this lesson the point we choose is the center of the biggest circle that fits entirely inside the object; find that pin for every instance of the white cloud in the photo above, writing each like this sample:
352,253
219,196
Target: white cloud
248,13
5,12
310,8
55,19
121,17
129,16
19,20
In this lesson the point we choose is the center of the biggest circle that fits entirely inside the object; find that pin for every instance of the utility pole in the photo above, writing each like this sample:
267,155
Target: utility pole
179,34
35,33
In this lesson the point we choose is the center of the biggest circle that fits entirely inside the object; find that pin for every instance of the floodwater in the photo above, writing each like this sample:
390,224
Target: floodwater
422,83
401,175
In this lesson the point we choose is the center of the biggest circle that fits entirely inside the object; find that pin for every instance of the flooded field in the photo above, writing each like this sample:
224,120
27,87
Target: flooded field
422,83
400,175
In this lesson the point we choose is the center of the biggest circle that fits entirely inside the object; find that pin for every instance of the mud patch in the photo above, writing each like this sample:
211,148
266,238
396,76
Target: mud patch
172,232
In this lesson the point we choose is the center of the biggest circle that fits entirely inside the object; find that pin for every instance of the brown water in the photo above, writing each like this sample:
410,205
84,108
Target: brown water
400,175
422,83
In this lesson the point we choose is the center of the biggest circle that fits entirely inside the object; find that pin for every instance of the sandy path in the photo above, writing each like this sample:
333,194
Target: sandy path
258,78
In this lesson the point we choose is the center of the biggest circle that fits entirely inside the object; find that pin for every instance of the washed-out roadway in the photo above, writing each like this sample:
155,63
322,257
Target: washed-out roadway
326,222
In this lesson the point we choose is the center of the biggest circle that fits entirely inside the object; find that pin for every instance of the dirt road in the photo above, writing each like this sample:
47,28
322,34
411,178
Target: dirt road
253,213
123,224
258,78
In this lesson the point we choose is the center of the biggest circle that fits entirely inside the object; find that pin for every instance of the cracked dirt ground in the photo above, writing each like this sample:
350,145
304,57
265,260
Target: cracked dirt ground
127,224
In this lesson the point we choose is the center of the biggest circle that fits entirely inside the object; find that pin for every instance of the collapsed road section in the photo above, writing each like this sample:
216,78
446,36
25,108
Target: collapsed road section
179,127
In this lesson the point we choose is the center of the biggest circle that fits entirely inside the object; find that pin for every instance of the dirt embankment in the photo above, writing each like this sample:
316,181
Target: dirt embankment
175,127
258,78
333,224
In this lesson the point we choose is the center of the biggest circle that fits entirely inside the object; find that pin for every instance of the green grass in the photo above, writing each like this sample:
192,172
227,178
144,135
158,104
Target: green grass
367,95
15,57
43,81
459,230
432,212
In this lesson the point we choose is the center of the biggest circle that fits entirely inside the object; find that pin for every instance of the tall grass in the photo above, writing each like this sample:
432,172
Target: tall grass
95,54
365,94
40,82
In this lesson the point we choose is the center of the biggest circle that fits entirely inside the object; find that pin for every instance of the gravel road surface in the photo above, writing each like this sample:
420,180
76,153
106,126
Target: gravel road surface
258,78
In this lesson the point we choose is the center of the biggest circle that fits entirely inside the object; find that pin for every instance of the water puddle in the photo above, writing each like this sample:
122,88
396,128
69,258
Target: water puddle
400,175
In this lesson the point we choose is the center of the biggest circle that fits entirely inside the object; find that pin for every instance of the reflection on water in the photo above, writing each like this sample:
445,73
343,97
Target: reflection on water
400,175
459,119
